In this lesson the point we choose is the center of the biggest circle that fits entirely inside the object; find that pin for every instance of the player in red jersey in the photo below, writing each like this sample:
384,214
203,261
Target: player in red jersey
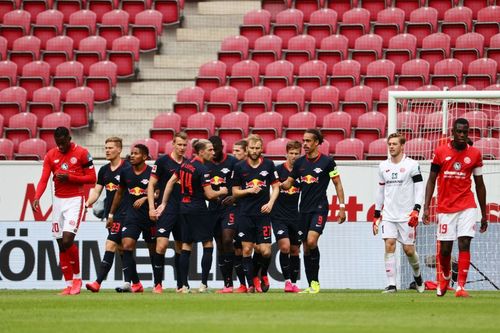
72,167
453,165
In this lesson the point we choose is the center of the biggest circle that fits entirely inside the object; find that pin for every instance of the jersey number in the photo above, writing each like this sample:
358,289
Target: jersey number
186,183
266,230
115,227
55,227
443,228
231,218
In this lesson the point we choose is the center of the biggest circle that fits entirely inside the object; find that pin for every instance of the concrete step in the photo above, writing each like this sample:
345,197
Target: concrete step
190,48
134,115
227,7
212,21
187,61
142,102
158,87
208,34
158,73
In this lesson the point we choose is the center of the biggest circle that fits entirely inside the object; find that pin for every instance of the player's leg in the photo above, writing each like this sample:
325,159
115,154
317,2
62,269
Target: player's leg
316,226
184,259
106,263
264,248
206,264
238,265
466,231
163,228
228,235
130,233
294,266
446,234
221,263
57,233
280,230
247,235
389,233
406,236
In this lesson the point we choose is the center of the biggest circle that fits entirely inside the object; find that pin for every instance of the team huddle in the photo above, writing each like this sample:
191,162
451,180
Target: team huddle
249,197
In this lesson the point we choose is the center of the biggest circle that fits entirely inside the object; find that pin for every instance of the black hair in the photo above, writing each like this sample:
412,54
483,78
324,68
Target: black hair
216,141
317,134
461,121
143,148
61,132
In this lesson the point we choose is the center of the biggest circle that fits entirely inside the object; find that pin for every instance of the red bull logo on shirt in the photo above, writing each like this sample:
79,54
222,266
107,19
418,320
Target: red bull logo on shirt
111,187
137,191
292,190
309,179
256,182
216,180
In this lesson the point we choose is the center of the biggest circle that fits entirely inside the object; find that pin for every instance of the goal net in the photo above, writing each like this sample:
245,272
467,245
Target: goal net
425,118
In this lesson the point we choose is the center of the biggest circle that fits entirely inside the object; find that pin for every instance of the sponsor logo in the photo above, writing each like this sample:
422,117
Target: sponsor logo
255,182
280,232
117,177
308,179
216,180
318,170
264,173
291,190
64,166
72,223
145,181
56,161
467,160
225,170
457,166
161,230
153,170
73,160
111,187
402,170
137,191
241,234
124,228
394,175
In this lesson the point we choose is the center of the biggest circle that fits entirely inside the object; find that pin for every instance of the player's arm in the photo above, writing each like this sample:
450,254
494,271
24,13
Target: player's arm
238,192
88,177
429,190
481,197
94,194
339,189
114,205
287,183
151,197
379,203
268,207
42,183
166,194
418,194
210,194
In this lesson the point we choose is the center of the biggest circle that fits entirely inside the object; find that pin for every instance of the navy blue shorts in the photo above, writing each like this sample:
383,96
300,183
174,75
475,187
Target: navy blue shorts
169,223
254,229
312,221
133,229
115,232
197,228
286,229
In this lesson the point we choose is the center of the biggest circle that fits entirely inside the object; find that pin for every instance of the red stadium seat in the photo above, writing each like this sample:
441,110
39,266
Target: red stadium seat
102,79
341,6
12,101
402,48
46,100
349,149
298,123
49,24
8,74
379,75
377,150
322,24
100,7
374,7
414,73
3,48
457,21
233,49
489,148
358,100
301,49
245,75
441,6
223,100
25,49
189,101
269,126
345,75
307,7
267,50
82,24
493,51
22,126
58,50
435,47
447,73
419,149
31,149
210,76
36,75
278,75
390,23
234,127
90,51
324,100
170,9
256,23
355,23
481,73
312,75
68,7
6,6
6,149
289,23
333,50
80,106
125,54
371,126
487,23
201,125
257,100
478,124
382,105
15,25
165,125
423,22
408,124
69,75
468,48
133,7
276,149
49,124
336,127
290,100
148,28
114,25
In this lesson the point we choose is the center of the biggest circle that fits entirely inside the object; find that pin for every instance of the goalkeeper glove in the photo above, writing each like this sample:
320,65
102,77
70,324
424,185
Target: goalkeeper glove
413,221
377,218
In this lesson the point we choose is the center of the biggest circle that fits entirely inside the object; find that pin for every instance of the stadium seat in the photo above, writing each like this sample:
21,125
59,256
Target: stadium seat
493,52
189,101
256,23
423,22
358,100
379,75
408,124
25,49
46,100
223,100
390,23
457,21
307,7
68,7
114,25
374,7
381,104
49,24
377,150
31,149
487,23
102,79
355,23
276,149
233,49
322,24
201,125
481,73
82,24
90,51
69,75
289,23
35,75
244,75
15,25
8,74
371,126
152,144
341,6
165,125
100,7
278,75
433,123
125,54
333,50
211,75
147,28
367,48
58,50
12,101
495,126
312,75
414,73
402,48
257,100
489,148
298,123
6,6
419,149
3,48
441,6
170,9
301,49
447,73
324,100
79,105
22,126
336,127
468,48
290,100
267,50
435,47
349,149
345,75
234,127
1,126
133,7
269,126
6,149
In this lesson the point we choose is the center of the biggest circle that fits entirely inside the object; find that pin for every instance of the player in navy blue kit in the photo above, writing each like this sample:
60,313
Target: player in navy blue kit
221,170
252,180
134,182
314,171
169,222
285,220
197,222
109,178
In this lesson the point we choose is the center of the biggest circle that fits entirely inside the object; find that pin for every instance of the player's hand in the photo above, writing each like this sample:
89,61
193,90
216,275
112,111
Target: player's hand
160,209
426,217
139,202
342,215
254,190
62,177
484,224
223,191
413,221
36,205
109,222
228,201
153,214
376,223
266,209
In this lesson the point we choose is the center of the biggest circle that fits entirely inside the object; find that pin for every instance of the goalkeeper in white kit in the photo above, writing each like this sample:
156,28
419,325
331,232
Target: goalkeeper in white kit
399,197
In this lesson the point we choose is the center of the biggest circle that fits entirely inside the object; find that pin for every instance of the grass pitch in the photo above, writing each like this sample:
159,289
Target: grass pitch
340,311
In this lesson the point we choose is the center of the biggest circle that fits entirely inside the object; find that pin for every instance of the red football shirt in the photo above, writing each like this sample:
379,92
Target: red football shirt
454,179
77,163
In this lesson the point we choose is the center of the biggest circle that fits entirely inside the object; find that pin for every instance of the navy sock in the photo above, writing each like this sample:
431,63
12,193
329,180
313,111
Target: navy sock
238,267
256,260
129,267
228,265
294,268
158,267
177,270
307,265
314,264
264,265
206,264
285,265
106,263
248,269
184,266
221,264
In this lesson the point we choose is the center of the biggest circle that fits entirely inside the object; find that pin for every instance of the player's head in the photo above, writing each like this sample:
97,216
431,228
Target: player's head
204,149
180,143
193,143
255,147
218,147
240,149
113,148
460,132
395,144
63,139
312,139
292,151
139,154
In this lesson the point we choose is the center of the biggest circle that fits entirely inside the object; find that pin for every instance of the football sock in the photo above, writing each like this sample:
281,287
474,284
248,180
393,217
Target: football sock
390,268
74,259
445,262
106,263
221,264
264,265
184,266
158,267
415,264
228,269
206,263
129,267
315,256
307,265
285,265
177,270
294,268
66,268
256,260
238,267
463,267
248,269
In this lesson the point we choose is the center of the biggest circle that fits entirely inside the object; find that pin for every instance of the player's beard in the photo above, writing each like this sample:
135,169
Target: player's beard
257,156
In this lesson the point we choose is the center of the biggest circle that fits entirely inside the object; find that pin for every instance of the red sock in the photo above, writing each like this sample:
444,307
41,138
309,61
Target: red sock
66,268
445,262
74,258
463,267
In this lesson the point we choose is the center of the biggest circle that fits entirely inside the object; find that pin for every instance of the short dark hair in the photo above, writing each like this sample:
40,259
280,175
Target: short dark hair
317,134
216,140
402,139
142,148
200,145
461,121
182,135
293,144
61,132
242,143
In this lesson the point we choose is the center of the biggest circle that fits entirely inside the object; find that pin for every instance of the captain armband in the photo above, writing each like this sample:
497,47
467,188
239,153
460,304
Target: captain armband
477,171
334,173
